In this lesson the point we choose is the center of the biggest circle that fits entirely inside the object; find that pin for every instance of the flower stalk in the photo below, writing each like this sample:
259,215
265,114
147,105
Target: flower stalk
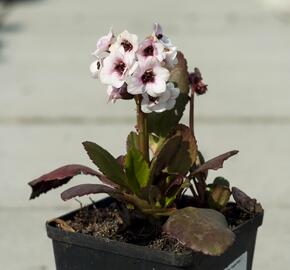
198,87
142,129
191,112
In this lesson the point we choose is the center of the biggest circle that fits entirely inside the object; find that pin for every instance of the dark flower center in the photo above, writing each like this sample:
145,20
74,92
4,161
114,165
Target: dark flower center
98,65
127,45
153,99
148,51
160,36
148,76
120,67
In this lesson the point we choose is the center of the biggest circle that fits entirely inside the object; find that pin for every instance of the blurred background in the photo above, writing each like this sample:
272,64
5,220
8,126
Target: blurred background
49,105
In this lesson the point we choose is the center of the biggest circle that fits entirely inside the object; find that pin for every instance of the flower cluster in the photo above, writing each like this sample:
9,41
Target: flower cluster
130,68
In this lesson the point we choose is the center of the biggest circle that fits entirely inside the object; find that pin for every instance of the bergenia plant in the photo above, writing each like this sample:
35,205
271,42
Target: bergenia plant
162,160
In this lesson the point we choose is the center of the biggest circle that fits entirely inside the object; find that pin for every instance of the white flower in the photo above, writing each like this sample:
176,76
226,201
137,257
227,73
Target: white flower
171,56
151,48
95,68
170,50
116,67
149,77
158,33
166,101
104,44
127,41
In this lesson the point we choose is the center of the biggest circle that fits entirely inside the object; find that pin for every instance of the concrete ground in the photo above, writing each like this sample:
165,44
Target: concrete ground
49,105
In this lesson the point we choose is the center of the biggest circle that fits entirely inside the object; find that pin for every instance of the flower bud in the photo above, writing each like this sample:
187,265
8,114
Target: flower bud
118,93
196,82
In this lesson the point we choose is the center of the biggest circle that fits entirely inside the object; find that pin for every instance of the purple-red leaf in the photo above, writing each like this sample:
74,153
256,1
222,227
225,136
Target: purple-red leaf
204,230
86,189
245,202
215,163
60,177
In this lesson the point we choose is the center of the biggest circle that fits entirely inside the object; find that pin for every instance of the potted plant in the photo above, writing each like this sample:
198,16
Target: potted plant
148,222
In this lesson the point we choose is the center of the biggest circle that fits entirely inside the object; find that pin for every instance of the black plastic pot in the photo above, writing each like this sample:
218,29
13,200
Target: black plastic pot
76,251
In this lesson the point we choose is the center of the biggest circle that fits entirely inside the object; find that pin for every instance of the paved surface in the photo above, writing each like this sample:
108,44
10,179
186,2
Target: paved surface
49,105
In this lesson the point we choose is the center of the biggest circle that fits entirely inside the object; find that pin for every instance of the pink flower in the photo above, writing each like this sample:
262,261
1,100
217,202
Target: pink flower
149,78
150,48
104,44
127,41
116,67
166,101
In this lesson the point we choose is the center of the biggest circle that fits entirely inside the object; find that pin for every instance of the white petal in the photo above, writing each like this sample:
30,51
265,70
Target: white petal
134,87
164,97
170,104
104,76
133,68
116,80
161,73
175,91
159,107
171,57
149,63
160,51
95,69
104,43
157,29
156,88
166,42
110,90
145,104
145,108
133,39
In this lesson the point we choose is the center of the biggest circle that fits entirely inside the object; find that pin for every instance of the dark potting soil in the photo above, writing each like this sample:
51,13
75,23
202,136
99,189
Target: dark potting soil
111,222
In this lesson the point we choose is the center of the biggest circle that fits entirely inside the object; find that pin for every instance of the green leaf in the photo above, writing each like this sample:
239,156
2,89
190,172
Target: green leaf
218,193
176,155
218,196
153,196
155,142
132,140
161,123
175,191
221,181
137,170
202,230
106,163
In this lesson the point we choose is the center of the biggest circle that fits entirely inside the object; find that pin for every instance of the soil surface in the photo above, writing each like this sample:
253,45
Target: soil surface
116,222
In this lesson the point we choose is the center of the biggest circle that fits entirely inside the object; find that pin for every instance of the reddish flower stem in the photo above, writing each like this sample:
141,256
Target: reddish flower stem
191,111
